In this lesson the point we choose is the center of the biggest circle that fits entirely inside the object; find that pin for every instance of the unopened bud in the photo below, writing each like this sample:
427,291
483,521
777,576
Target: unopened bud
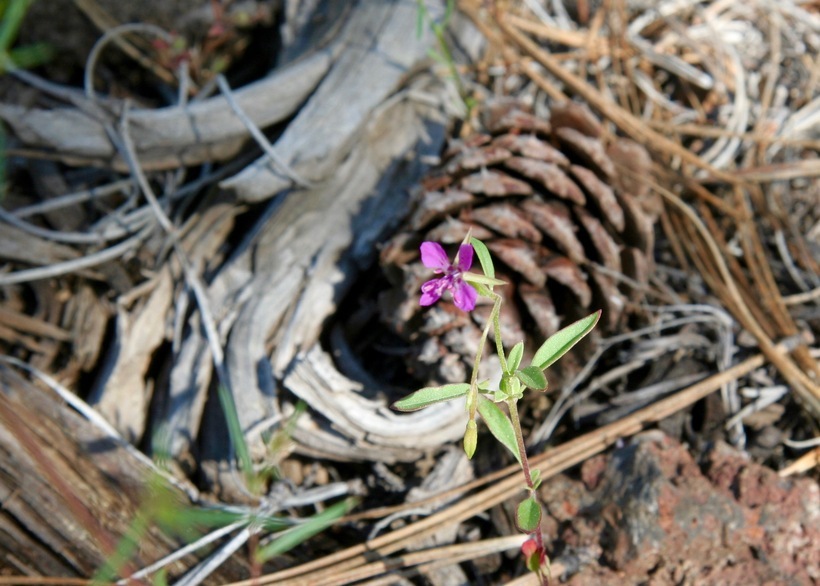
535,558
470,439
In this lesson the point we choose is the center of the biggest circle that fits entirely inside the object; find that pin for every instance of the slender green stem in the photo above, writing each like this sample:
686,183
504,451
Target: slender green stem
499,345
512,404
472,401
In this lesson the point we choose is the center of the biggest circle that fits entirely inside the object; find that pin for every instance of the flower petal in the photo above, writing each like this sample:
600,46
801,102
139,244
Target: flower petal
464,295
434,257
465,257
431,291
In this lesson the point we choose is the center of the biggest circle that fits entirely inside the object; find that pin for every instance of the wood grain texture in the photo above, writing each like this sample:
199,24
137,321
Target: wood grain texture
167,138
68,491
380,49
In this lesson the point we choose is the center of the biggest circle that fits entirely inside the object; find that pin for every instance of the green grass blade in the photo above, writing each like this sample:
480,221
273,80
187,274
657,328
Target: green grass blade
10,22
300,533
235,431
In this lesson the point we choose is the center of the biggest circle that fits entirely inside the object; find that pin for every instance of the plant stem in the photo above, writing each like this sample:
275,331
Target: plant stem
512,405
499,346
472,400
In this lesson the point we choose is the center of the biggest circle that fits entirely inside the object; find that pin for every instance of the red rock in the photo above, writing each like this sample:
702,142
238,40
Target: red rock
656,518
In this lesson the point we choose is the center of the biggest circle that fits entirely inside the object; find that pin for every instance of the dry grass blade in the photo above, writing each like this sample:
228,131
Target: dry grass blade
803,464
106,24
412,563
758,304
632,126
724,284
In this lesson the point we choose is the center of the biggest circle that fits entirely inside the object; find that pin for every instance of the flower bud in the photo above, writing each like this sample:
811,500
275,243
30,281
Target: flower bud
534,556
470,439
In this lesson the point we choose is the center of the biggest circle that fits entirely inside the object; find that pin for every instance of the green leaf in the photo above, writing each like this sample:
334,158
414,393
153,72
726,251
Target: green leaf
483,290
514,359
499,425
560,343
304,531
483,279
535,477
528,515
483,257
533,377
431,395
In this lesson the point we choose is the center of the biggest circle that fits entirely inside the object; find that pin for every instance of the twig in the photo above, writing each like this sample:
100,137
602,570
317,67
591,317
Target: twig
803,464
74,265
64,237
113,34
771,395
191,278
807,390
183,551
210,565
799,298
71,199
260,138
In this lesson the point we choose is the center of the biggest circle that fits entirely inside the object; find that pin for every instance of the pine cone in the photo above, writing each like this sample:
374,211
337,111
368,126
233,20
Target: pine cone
560,220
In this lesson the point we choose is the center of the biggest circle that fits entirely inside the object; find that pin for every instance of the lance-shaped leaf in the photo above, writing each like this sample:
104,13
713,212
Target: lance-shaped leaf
560,343
483,257
528,515
431,395
533,377
514,359
499,425
475,278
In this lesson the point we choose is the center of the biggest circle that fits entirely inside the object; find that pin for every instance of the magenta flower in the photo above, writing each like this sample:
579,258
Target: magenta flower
434,257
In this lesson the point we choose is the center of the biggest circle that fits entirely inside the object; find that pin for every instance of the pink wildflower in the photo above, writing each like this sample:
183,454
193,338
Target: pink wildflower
434,257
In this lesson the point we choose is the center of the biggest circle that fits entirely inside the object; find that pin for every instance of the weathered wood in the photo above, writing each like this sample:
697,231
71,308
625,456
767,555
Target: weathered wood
122,394
69,492
278,291
18,245
380,49
164,138
305,256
